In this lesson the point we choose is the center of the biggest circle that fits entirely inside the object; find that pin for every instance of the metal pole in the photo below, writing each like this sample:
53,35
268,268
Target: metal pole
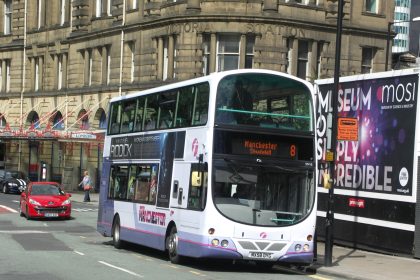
329,238
388,39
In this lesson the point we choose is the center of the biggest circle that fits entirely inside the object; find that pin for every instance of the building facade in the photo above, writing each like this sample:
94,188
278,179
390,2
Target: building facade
62,60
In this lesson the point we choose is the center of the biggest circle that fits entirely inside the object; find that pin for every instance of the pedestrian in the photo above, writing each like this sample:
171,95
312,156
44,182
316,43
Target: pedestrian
87,185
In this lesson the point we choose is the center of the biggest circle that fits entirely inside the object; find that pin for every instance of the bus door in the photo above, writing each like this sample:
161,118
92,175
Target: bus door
180,185
189,186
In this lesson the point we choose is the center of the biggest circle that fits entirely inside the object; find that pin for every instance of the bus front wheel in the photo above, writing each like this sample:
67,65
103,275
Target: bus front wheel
172,245
116,238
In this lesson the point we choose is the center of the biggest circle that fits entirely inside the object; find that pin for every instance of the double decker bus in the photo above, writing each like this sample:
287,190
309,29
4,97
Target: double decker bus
221,166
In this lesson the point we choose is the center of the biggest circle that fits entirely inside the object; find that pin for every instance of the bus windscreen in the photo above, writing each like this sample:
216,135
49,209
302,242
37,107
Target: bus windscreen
264,100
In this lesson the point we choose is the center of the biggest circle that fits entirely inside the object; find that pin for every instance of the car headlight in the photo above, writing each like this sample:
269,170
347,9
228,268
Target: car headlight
66,202
34,202
13,184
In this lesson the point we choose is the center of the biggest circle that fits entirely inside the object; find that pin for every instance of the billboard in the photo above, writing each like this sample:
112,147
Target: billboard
384,110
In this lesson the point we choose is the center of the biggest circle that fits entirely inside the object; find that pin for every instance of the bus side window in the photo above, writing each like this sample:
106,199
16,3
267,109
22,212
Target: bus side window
128,115
139,114
132,182
167,102
185,107
120,183
114,125
152,108
201,105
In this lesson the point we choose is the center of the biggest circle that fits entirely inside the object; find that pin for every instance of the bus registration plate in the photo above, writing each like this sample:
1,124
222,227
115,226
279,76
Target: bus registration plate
260,255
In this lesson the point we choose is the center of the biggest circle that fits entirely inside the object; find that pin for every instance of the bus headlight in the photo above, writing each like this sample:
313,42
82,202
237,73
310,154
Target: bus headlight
215,242
298,247
224,243
306,247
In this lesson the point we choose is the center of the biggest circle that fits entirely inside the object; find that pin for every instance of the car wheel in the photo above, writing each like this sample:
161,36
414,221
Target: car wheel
116,237
5,190
172,245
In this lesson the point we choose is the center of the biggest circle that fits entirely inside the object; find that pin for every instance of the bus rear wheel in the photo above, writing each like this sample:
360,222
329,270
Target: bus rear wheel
116,237
172,245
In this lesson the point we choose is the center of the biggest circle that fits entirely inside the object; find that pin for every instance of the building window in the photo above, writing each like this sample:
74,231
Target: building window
249,51
289,45
7,17
167,55
8,62
319,59
102,120
165,58
98,12
39,13
87,57
60,71
371,6
132,46
108,65
5,75
206,54
58,122
367,60
62,12
132,4
37,74
228,47
302,63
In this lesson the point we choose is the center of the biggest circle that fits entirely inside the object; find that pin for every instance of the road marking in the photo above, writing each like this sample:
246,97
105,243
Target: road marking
83,209
17,201
172,266
82,236
8,209
122,269
79,253
319,277
45,225
22,231
196,273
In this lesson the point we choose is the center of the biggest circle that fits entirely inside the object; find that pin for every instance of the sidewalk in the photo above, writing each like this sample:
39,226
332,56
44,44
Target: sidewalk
350,263
77,196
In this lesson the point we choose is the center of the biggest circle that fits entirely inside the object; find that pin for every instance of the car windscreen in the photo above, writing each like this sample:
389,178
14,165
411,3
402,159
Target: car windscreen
45,190
15,174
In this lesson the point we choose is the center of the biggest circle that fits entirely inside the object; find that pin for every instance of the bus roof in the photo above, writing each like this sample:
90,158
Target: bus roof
213,76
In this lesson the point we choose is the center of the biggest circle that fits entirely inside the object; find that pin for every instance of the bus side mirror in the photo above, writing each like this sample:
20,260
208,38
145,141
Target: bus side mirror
196,179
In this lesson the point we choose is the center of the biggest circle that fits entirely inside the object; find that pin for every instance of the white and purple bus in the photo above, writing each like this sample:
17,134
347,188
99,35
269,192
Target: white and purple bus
221,166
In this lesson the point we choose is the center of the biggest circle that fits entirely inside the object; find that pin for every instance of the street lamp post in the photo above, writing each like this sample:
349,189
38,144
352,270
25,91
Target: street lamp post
329,221
388,37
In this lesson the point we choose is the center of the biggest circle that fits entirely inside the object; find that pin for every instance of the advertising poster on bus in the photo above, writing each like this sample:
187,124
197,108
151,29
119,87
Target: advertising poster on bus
380,158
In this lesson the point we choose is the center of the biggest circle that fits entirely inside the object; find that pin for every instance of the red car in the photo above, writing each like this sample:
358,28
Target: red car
45,200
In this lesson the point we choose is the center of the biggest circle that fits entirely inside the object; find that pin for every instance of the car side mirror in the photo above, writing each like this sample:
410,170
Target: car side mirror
69,194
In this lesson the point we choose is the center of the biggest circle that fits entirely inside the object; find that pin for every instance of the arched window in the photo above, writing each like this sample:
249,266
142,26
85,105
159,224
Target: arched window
102,120
2,122
33,120
83,120
58,122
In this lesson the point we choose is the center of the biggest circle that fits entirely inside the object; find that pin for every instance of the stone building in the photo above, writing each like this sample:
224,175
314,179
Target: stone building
62,60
